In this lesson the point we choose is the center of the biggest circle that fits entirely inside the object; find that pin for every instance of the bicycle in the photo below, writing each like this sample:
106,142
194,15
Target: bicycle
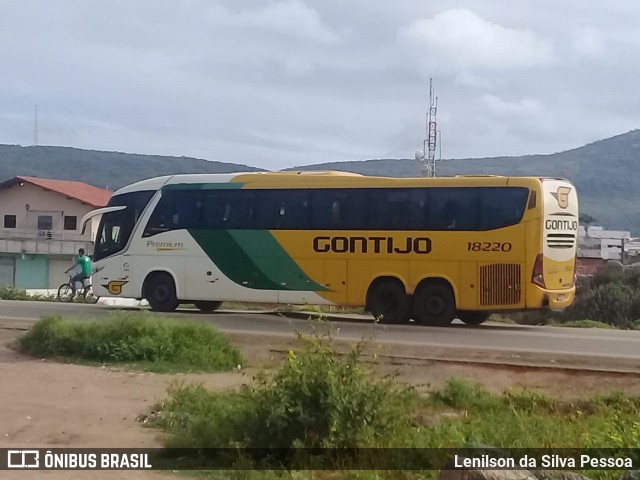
65,292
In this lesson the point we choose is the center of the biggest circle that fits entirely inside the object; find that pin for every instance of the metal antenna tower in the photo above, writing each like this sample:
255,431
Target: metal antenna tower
427,156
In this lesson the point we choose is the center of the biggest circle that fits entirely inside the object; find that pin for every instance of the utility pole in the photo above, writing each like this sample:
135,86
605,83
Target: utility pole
35,127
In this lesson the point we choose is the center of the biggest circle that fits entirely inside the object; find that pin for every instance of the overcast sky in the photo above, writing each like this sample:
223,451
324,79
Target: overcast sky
280,83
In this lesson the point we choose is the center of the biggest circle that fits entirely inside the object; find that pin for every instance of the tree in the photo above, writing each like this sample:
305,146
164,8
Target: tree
586,220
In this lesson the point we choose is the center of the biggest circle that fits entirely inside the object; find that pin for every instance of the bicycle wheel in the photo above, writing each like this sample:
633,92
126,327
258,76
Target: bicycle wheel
65,294
89,296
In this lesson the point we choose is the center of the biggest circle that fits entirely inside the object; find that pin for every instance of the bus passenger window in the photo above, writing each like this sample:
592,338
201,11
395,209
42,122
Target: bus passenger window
502,207
335,214
449,215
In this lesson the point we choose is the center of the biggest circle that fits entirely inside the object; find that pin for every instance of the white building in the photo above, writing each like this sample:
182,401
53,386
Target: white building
597,246
39,229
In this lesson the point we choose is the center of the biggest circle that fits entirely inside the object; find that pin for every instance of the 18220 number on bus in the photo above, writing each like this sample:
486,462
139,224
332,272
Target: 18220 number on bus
488,247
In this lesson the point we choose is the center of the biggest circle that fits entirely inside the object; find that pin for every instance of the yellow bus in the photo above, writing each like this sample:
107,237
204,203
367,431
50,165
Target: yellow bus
421,249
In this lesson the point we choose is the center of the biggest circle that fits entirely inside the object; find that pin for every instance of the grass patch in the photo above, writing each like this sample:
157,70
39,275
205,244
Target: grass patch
525,419
583,324
501,318
317,399
261,307
10,293
286,308
320,399
136,339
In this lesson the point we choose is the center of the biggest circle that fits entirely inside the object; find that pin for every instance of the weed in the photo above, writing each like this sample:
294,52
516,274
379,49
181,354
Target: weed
134,338
317,399
10,293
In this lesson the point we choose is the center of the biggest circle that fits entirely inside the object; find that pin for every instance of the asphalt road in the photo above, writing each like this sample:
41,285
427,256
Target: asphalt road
547,344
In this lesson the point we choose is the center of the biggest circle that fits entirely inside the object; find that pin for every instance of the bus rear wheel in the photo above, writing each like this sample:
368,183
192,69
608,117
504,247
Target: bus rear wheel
473,318
207,306
160,292
388,302
434,305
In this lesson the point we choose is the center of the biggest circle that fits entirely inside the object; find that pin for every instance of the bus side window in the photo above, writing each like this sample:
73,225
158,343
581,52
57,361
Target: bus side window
502,207
227,212
453,209
294,210
269,209
213,210
226,209
405,209
336,220
161,219
449,215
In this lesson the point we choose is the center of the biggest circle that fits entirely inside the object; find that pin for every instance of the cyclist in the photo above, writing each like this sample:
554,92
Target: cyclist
86,270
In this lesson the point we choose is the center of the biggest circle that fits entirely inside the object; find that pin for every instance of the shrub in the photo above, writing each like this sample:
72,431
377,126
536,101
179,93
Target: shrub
463,394
133,337
611,303
586,324
609,298
10,293
316,399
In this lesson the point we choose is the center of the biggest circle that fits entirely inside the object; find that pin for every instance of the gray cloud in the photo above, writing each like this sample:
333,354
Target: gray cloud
292,82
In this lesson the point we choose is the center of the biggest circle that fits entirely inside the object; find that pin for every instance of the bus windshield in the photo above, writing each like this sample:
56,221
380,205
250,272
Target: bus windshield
115,228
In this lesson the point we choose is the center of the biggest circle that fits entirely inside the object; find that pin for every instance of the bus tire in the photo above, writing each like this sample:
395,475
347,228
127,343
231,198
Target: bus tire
207,306
434,304
160,292
388,302
472,317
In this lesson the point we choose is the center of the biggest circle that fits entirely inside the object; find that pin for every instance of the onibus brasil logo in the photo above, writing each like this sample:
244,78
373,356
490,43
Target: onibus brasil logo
77,460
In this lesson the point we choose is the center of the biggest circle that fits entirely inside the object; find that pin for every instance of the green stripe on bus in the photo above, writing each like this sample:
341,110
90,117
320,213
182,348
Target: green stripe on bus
254,259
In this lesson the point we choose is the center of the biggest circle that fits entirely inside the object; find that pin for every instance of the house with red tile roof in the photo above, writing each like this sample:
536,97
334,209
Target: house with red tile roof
40,231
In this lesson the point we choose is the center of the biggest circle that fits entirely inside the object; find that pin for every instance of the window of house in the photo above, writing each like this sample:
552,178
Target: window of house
9,221
45,222
70,222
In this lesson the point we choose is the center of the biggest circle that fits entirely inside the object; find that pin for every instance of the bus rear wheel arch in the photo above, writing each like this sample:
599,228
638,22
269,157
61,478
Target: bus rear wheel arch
434,303
160,291
387,301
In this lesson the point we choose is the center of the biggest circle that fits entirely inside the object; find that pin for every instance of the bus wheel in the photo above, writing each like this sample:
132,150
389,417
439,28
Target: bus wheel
207,306
473,318
388,302
434,305
160,292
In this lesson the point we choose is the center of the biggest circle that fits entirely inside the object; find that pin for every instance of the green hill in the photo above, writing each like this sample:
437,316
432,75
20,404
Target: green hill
606,174
103,169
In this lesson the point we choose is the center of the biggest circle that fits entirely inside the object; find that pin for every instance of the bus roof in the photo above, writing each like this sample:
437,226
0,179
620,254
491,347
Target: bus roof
322,178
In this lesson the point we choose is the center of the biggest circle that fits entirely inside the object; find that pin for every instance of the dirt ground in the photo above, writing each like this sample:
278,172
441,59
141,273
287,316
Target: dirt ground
48,404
